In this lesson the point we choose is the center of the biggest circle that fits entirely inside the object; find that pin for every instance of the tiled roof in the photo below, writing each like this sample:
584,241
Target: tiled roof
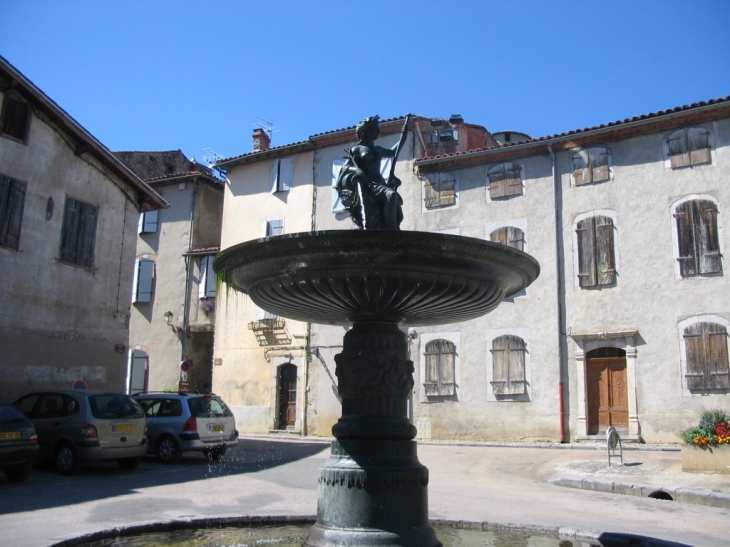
205,250
178,175
617,123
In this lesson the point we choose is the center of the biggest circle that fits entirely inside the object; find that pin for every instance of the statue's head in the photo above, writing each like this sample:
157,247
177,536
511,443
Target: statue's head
366,125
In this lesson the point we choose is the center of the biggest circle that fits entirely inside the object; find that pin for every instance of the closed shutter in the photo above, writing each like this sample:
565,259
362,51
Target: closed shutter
678,154
498,182
12,202
605,265
79,233
586,252
708,241
275,227
440,368
431,192
509,235
581,175
508,365
699,146
717,356
447,191
70,235
143,276
513,174
85,253
599,161
137,372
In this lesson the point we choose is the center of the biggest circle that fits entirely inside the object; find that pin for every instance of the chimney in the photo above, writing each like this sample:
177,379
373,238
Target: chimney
261,140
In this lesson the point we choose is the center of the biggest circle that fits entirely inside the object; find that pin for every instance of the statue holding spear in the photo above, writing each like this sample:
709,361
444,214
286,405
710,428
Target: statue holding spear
372,201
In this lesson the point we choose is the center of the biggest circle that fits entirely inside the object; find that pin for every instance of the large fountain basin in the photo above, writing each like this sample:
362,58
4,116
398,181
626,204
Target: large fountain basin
349,276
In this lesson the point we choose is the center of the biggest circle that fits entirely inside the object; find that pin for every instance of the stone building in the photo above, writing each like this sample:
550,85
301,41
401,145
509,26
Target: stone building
174,288
68,217
626,325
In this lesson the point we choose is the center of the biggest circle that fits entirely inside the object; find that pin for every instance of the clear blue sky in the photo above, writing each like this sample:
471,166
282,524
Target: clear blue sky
196,75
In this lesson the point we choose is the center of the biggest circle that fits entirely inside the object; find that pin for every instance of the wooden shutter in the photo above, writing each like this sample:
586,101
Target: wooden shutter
599,165
513,174
79,233
143,276
509,235
87,235
698,144
717,356
440,368
581,175
586,252
678,154
497,182
206,285
70,234
508,365
605,256
147,222
12,202
706,235
686,239
447,191
430,187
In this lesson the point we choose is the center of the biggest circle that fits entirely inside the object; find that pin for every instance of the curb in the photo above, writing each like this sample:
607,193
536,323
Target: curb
685,495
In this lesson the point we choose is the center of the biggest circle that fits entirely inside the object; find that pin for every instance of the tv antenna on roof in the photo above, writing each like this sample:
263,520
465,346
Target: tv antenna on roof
267,126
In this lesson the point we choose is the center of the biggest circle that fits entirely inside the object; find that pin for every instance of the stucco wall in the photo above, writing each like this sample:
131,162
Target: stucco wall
62,322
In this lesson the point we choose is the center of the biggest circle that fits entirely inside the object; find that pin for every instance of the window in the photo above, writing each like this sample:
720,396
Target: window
274,227
12,200
505,180
337,206
14,119
263,315
508,365
590,165
440,367
440,190
707,356
79,233
596,254
509,235
282,175
689,146
144,270
698,243
147,222
206,286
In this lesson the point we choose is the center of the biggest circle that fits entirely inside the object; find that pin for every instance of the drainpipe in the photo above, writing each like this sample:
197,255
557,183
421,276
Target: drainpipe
562,349
188,268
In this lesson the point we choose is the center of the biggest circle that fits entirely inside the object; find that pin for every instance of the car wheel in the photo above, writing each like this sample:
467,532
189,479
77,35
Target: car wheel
18,473
67,461
129,463
168,450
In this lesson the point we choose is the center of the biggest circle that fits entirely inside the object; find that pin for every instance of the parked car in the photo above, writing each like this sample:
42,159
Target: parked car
74,426
187,422
18,444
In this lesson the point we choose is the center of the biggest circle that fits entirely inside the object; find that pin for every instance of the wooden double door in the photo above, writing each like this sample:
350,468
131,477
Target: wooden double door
287,396
607,396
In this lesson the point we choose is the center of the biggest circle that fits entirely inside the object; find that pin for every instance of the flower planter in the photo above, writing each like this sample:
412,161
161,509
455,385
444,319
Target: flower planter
706,459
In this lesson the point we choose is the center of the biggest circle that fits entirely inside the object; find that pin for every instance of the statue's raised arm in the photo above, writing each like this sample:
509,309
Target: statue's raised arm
373,202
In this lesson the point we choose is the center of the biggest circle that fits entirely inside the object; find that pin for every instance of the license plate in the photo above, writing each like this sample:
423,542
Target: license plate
122,428
217,428
8,435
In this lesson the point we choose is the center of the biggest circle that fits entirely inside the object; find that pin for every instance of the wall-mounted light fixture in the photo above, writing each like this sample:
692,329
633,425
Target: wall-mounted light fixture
168,317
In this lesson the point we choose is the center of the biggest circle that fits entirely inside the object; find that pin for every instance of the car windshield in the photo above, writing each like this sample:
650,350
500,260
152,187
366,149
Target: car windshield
110,406
207,407
9,414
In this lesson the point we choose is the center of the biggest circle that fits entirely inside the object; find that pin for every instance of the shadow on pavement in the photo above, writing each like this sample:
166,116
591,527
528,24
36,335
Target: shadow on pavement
101,480
611,539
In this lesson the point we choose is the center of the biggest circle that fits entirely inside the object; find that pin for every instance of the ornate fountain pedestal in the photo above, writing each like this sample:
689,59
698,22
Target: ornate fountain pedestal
373,491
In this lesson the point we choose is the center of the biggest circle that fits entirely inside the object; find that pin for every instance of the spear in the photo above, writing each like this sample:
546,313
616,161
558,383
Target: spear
403,135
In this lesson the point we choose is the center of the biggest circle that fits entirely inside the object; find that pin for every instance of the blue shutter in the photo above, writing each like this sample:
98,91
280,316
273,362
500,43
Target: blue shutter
206,287
143,275
147,223
137,372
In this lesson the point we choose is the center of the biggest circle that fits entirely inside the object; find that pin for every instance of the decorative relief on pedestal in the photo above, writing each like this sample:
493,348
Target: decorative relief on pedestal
361,478
372,374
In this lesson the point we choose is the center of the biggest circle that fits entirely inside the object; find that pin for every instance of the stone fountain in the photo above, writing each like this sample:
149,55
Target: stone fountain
373,491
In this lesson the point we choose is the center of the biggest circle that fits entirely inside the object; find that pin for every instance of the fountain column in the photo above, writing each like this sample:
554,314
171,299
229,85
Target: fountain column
373,490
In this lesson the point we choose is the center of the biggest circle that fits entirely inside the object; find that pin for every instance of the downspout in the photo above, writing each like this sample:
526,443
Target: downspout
186,304
308,339
559,253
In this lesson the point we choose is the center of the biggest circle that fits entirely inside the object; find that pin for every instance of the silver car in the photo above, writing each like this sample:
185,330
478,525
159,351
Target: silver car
187,422
74,426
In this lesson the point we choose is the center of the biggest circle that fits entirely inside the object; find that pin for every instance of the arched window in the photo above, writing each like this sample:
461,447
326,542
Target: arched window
440,368
689,146
509,235
590,165
596,252
697,238
508,361
707,356
505,180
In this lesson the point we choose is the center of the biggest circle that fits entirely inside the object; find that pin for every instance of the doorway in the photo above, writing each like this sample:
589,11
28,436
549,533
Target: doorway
287,396
606,390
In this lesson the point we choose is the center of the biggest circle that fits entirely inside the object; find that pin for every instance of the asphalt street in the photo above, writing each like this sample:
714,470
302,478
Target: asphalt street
268,476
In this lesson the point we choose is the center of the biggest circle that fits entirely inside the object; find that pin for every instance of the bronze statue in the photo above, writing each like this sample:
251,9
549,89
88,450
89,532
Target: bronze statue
372,201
